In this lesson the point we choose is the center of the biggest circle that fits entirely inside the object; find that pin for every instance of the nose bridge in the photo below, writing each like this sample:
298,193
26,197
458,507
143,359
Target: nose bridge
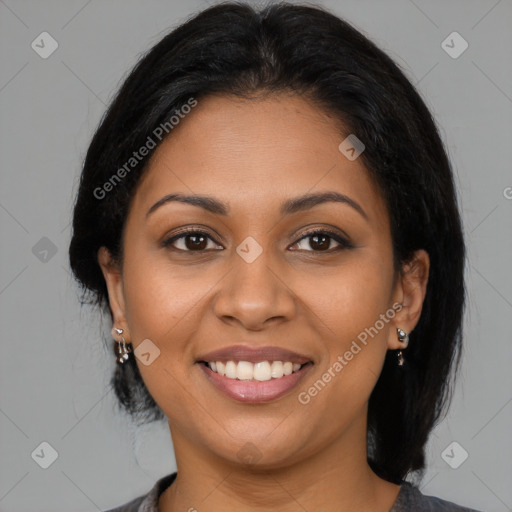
252,268
254,292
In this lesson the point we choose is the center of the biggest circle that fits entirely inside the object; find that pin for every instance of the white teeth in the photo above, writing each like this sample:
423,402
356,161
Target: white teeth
221,368
244,370
277,369
262,371
231,370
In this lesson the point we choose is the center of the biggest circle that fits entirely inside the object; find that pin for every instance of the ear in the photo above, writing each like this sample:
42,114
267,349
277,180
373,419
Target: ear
114,282
410,290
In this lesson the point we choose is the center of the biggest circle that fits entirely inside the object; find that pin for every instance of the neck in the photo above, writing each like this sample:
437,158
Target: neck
335,478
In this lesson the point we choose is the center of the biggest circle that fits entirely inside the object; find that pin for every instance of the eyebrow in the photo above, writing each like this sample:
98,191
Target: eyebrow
297,204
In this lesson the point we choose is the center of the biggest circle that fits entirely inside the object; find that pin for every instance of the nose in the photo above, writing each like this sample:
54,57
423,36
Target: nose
255,294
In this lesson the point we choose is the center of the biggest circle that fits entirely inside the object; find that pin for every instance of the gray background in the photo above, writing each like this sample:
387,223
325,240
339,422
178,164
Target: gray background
54,370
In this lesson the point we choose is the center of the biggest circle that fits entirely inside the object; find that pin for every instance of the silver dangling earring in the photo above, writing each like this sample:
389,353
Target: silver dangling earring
122,350
403,338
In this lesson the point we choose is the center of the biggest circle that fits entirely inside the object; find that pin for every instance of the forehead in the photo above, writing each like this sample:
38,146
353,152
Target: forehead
253,154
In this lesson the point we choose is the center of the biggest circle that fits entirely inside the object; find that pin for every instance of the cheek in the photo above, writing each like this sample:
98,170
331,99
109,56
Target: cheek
166,304
347,298
164,307
159,299
347,306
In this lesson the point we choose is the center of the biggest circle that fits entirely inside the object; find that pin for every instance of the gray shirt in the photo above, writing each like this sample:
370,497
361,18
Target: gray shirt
409,499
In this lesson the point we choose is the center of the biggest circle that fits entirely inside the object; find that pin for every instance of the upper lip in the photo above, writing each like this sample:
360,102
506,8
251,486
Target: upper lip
254,355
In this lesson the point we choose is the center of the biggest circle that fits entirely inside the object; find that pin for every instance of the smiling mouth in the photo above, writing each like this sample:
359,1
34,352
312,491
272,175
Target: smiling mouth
265,382
255,372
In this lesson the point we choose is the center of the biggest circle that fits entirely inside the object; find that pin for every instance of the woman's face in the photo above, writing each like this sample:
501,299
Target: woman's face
256,280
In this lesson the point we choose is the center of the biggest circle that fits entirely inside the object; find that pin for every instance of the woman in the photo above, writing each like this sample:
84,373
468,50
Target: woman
269,214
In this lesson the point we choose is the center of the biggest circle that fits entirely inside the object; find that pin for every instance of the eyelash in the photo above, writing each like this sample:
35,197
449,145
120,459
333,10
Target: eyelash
344,244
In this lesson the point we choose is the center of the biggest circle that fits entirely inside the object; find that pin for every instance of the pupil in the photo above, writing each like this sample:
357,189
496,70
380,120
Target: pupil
323,245
199,242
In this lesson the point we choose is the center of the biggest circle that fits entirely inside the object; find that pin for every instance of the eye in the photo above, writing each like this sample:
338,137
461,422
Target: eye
191,240
194,240
320,241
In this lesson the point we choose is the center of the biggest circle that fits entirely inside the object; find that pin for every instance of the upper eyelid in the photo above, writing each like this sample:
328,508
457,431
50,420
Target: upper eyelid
329,231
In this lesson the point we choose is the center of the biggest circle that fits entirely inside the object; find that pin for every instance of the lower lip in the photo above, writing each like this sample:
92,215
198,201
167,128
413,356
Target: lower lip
255,391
